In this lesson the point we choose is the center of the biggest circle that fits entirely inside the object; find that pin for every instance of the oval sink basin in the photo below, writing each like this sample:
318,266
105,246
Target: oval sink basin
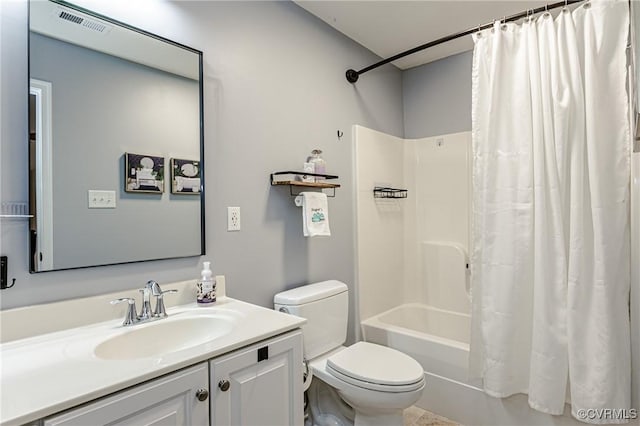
163,336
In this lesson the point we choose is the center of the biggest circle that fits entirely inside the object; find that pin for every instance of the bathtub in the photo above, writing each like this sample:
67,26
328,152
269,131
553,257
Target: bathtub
439,340
436,338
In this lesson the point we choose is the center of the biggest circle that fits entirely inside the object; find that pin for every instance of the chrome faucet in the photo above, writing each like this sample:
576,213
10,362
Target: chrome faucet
152,288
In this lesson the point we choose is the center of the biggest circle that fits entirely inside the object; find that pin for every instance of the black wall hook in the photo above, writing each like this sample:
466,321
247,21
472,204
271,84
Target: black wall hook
4,267
340,134
13,282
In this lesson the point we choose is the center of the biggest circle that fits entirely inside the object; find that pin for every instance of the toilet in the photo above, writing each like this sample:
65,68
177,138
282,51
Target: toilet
376,382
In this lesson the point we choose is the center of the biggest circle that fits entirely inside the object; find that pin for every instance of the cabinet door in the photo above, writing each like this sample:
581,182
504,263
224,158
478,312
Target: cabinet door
169,400
259,385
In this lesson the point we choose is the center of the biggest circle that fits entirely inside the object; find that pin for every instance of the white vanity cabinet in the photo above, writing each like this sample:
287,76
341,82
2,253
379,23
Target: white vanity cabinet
260,384
174,399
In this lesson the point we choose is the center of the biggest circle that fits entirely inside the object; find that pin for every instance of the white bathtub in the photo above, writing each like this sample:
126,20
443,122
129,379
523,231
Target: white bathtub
439,341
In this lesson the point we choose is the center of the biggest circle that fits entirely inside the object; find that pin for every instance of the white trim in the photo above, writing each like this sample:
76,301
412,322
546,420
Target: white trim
44,173
635,280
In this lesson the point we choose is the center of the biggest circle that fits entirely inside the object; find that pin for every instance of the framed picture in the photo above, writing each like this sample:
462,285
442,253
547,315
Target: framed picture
185,176
143,173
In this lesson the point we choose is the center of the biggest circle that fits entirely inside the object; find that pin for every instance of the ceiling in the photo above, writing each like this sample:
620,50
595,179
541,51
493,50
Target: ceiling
388,27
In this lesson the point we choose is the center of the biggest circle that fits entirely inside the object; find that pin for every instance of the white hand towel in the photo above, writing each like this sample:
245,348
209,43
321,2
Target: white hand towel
315,214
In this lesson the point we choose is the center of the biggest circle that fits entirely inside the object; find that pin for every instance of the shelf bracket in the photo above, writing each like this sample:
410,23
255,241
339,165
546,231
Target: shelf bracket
297,194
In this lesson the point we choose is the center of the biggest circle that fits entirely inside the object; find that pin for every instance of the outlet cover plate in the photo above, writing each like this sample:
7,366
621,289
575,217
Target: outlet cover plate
233,218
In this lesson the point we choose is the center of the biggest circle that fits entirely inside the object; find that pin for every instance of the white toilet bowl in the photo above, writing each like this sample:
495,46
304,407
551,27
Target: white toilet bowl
377,397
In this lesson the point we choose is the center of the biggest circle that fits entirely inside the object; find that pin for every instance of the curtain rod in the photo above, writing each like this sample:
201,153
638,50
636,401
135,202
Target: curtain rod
353,75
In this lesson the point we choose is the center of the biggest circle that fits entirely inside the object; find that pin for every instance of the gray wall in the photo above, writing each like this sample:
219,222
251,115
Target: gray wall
437,97
104,106
274,90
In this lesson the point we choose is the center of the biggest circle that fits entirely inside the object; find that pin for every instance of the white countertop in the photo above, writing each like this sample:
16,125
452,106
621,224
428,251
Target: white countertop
49,373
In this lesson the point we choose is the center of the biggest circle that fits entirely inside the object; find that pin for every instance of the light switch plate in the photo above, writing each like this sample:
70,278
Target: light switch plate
102,199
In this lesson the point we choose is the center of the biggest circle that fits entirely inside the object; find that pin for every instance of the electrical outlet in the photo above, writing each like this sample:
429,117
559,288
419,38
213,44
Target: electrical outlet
233,218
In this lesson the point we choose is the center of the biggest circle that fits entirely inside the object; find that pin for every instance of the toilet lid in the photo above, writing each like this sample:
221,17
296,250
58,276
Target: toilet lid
376,367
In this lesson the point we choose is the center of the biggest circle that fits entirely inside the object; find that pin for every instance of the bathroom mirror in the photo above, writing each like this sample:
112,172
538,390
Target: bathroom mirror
116,166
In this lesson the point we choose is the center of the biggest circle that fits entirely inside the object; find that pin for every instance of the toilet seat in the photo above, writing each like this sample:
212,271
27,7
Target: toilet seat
375,367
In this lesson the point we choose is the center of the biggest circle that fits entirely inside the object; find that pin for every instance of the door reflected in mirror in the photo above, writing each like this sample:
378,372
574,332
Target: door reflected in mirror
101,91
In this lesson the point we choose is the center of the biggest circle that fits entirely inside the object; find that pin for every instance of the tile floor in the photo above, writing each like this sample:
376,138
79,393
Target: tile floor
414,416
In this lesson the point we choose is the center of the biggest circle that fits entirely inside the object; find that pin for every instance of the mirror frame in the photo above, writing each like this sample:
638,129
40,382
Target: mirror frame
32,184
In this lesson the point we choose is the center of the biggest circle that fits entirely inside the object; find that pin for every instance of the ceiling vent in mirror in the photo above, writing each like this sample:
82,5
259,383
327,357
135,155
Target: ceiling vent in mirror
69,17
79,19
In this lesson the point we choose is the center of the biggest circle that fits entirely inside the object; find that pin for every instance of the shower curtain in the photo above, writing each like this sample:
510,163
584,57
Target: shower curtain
550,252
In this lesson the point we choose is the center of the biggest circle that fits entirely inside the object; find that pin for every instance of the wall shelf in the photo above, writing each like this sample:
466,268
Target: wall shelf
293,179
385,192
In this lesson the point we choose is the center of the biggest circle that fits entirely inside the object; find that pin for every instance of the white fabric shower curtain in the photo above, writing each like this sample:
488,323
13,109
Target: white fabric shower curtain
550,247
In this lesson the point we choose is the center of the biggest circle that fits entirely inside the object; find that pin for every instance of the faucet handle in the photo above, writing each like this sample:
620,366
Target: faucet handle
131,316
160,311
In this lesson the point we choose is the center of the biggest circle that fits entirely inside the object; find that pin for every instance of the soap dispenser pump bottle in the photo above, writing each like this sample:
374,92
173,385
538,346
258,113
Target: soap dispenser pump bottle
319,165
206,286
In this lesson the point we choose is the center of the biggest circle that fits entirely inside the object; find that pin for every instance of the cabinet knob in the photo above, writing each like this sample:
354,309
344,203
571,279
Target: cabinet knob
224,385
202,394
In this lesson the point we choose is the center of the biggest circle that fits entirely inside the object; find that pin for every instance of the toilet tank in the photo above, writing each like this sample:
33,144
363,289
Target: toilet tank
325,306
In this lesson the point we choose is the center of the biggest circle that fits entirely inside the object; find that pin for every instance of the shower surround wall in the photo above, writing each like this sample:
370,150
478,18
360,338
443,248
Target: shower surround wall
379,160
402,242
411,271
